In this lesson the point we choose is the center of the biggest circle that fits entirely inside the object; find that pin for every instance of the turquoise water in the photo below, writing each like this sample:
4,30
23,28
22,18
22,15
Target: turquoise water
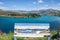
7,23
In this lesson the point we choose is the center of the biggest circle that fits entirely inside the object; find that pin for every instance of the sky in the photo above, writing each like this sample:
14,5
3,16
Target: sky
29,4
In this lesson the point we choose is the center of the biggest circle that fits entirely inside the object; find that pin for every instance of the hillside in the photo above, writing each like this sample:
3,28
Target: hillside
33,13
49,12
17,14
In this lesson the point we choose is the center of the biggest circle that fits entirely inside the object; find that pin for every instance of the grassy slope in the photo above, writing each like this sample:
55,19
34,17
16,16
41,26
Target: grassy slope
9,36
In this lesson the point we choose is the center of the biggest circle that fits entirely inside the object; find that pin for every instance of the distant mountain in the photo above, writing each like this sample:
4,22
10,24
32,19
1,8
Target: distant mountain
43,11
9,13
5,12
50,12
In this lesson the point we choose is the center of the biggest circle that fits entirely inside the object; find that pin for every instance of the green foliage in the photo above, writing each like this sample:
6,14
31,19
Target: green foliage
53,32
37,38
20,38
8,36
24,15
42,38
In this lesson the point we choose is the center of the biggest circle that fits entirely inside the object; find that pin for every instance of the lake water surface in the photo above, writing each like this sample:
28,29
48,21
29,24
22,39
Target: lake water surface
7,24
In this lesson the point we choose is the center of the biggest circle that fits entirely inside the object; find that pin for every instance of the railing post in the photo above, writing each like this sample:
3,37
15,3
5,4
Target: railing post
48,38
15,38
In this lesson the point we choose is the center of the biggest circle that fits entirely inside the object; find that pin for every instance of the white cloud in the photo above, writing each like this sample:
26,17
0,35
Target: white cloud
13,5
2,7
34,2
58,3
1,3
50,8
46,5
40,1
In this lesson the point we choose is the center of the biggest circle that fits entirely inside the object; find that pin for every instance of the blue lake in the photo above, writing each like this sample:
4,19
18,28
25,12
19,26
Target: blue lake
7,24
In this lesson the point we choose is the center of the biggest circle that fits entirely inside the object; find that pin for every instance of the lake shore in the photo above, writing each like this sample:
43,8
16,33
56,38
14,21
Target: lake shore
19,16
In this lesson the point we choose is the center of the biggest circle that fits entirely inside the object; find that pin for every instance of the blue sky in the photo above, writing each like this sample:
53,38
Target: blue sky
29,4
